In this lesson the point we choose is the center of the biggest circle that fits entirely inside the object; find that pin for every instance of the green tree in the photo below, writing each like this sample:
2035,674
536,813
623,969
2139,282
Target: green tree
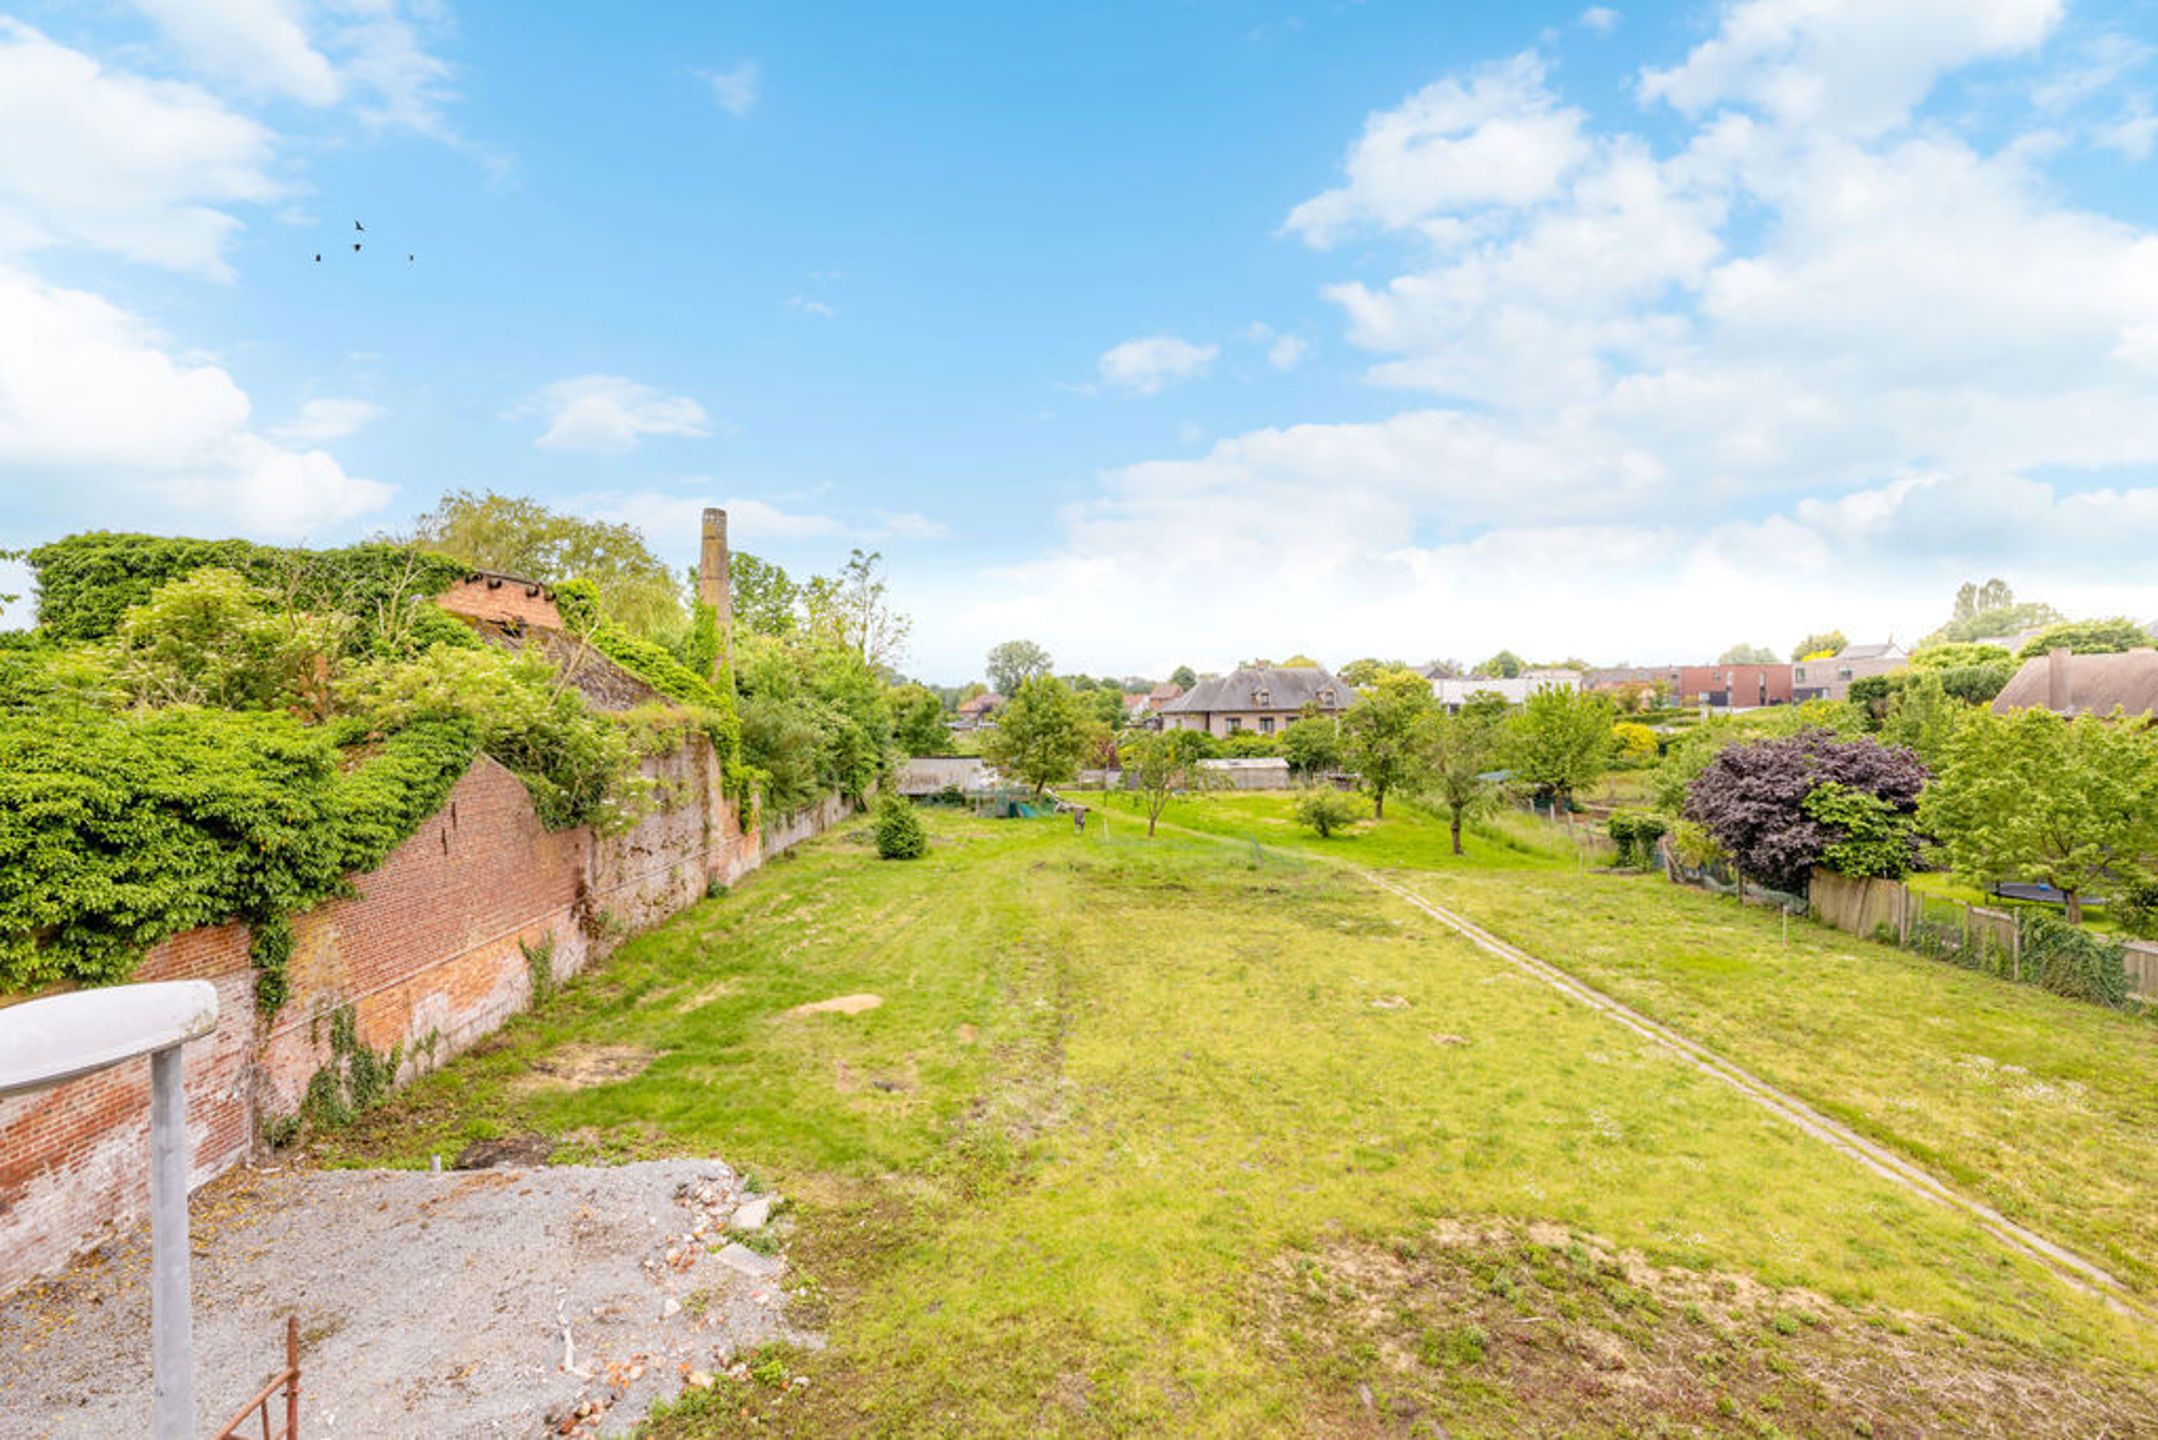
918,721
766,599
518,535
1923,715
1361,672
1042,734
1505,665
1955,654
1312,745
1990,609
1821,642
1560,742
1161,763
1013,663
1874,834
2033,796
1745,654
1464,749
1386,738
853,610
1183,675
2088,637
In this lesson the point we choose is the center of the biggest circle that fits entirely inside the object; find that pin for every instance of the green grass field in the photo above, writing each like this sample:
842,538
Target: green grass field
1190,1137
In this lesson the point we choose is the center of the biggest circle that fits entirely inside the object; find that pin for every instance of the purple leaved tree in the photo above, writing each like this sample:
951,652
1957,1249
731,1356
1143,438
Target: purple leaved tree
1752,798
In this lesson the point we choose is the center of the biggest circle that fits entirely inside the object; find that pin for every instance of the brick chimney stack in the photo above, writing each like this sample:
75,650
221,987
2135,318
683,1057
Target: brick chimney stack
714,587
2058,690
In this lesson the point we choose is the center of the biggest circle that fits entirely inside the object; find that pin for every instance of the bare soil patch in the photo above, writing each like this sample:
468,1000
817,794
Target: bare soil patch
1538,1331
577,1067
838,1005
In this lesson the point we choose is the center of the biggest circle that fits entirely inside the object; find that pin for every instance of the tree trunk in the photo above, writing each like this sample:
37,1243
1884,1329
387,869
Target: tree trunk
1457,832
1378,804
2075,906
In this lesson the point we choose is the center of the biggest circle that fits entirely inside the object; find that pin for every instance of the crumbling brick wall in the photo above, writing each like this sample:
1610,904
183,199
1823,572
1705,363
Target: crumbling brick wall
429,952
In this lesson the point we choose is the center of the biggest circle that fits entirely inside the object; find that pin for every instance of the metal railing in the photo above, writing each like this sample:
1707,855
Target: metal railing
287,1380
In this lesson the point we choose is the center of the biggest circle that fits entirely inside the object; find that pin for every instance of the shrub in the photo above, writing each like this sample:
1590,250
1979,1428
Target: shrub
2069,960
1633,743
900,835
1327,810
1636,833
2137,907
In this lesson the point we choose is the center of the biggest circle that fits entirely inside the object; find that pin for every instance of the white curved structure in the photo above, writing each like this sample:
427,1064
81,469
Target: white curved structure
62,1037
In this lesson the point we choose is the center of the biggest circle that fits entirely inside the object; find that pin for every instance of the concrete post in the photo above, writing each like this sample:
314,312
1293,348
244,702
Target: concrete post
714,586
171,1327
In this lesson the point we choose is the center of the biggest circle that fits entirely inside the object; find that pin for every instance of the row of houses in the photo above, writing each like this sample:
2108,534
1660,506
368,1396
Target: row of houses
1266,699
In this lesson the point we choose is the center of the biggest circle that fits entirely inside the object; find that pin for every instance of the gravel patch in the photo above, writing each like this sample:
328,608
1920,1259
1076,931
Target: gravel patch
430,1304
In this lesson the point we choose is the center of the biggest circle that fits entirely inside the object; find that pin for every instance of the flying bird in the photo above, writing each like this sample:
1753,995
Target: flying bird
355,247
318,258
358,226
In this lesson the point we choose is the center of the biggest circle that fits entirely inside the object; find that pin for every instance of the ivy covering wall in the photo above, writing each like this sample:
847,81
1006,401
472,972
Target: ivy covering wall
149,787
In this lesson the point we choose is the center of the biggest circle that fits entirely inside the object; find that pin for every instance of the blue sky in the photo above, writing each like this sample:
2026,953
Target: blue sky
1156,332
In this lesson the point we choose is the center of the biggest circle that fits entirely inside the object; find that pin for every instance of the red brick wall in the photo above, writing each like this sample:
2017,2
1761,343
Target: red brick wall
426,953
491,597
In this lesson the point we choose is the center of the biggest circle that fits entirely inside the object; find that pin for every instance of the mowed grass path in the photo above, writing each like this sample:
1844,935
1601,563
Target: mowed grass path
2046,1108
1114,1081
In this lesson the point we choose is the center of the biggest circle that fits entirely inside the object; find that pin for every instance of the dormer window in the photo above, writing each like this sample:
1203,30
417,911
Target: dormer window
1262,697
1326,698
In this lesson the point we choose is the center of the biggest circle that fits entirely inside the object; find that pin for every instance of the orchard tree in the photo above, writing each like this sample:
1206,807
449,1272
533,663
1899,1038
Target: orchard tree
1560,742
918,721
1464,749
1162,763
1312,745
1015,662
1042,735
1753,799
1386,736
2033,796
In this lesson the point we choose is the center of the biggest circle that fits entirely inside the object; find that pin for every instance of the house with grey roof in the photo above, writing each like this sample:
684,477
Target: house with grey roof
1259,699
1831,679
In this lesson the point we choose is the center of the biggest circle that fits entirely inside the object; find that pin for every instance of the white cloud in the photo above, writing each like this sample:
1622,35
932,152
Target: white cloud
95,401
808,306
610,414
1151,364
736,90
1856,66
374,53
261,44
2132,133
102,158
1600,18
1287,352
1800,364
1497,138
328,418
911,525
